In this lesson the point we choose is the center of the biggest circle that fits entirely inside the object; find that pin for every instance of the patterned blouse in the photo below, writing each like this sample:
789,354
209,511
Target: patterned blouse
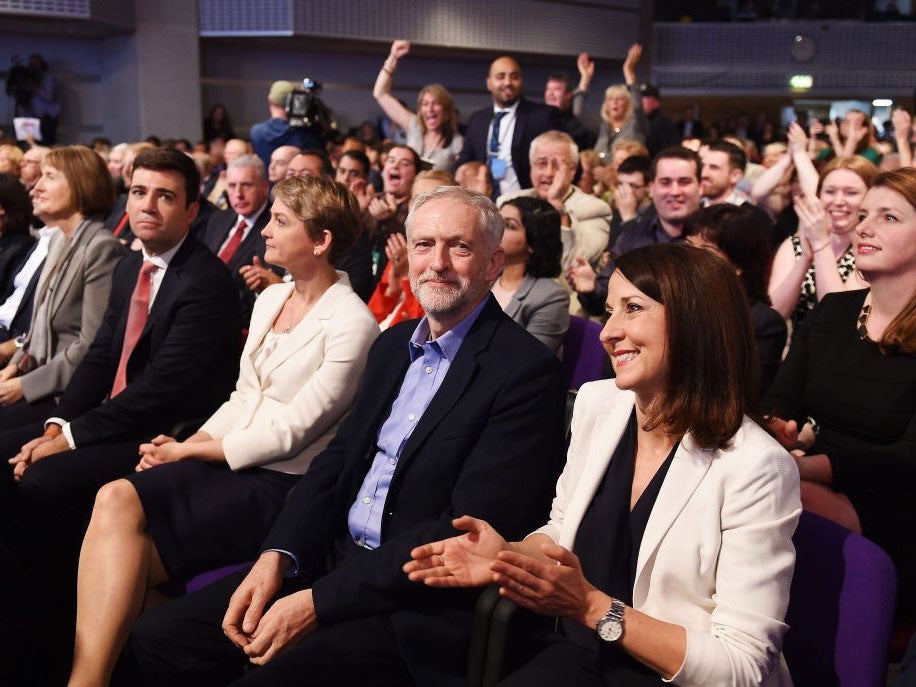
845,266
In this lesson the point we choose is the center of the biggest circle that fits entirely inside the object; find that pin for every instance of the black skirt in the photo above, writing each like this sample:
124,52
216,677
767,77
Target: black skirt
202,515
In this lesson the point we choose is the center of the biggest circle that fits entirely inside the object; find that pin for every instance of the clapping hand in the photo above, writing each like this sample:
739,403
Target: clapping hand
462,561
384,207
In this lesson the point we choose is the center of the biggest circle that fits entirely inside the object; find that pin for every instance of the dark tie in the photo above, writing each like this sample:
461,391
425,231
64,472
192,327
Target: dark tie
234,242
494,137
136,321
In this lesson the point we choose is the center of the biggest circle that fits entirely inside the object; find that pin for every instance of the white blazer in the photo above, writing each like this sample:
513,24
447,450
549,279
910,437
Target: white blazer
717,554
282,414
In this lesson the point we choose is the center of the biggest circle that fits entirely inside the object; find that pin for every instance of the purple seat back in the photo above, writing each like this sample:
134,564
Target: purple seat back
584,359
841,609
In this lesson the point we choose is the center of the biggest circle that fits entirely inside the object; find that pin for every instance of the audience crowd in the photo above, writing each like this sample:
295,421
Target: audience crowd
341,356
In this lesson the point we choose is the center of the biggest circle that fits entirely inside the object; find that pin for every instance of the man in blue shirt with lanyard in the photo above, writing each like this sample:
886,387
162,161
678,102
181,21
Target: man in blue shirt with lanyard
459,413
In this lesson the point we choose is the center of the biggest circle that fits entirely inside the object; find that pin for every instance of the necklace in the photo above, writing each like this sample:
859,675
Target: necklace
862,327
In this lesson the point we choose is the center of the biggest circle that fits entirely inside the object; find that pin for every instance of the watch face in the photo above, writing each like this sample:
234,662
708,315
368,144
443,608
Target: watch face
609,629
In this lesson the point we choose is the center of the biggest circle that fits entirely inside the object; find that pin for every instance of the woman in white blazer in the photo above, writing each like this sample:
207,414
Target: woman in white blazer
668,553
210,500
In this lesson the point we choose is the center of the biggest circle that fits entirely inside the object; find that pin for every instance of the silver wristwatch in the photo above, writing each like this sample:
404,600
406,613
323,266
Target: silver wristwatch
610,626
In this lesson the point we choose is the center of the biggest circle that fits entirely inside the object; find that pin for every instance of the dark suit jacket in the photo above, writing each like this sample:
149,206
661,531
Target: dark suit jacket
490,444
13,249
184,364
531,120
218,227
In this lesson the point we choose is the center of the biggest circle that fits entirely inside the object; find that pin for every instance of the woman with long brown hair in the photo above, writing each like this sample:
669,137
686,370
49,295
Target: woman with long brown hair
852,370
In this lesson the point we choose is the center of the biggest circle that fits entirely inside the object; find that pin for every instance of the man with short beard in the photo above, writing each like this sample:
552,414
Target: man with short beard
455,412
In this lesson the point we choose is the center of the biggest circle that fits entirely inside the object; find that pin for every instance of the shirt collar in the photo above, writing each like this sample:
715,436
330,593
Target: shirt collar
449,343
512,108
162,260
251,219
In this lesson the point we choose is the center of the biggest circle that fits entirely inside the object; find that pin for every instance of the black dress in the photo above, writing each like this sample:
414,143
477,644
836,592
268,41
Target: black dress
607,544
864,405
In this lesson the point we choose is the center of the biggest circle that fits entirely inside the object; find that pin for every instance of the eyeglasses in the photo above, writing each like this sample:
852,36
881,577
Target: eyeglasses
635,187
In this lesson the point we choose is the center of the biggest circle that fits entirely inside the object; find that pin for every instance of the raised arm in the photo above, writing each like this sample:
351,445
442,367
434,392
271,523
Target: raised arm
399,114
815,230
770,178
798,149
903,123
586,67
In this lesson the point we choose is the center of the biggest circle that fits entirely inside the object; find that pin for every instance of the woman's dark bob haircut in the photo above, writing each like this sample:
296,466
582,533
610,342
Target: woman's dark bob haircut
712,357
542,232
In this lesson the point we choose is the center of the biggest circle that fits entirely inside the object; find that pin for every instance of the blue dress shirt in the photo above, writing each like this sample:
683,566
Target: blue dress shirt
430,362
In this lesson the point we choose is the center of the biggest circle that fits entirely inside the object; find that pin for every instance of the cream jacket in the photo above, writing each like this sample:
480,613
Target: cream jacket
717,554
282,414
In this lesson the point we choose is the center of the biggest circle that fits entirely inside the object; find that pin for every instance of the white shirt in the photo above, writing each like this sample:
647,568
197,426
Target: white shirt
506,131
24,276
249,223
161,261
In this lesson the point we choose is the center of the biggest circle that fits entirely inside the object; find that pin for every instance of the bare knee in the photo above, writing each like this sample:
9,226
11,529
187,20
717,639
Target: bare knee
821,499
118,503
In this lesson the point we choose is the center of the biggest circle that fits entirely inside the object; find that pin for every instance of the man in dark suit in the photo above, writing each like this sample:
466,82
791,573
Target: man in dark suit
461,413
166,351
501,135
235,234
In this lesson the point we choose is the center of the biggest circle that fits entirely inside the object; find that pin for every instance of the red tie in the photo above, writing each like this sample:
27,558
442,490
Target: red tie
234,242
118,229
136,321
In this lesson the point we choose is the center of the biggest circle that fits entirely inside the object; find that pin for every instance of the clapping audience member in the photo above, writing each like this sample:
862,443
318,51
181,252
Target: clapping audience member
851,371
675,192
234,235
387,210
741,237
74,192
855,135
302,363
671,530
622,113
819,259
526,288
585,220
433,130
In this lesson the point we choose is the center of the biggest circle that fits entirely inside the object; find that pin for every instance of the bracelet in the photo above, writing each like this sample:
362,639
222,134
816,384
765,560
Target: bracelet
385,68
818,250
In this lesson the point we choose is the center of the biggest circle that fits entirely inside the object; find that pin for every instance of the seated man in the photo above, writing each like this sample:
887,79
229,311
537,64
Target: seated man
455,413
584,219
675,192
235,234
167,350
